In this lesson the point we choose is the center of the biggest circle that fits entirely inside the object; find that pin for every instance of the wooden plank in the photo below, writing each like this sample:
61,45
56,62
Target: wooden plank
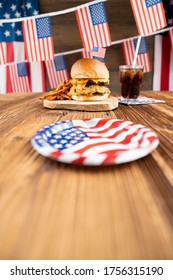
50,210
106,105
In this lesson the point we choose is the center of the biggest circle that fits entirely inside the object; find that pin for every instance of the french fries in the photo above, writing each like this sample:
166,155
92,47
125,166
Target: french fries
60,93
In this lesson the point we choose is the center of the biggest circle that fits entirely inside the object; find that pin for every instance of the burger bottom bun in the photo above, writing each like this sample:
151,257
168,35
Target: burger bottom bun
83,97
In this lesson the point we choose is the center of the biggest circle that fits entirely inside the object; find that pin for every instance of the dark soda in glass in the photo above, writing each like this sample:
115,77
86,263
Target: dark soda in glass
130,80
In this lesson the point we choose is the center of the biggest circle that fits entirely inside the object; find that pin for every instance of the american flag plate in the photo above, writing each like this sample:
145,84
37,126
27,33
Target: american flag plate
96,141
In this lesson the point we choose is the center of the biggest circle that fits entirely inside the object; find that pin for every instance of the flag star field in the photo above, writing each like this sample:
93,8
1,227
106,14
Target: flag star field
143,48
15,9
59,63
97,12
43,27
150,3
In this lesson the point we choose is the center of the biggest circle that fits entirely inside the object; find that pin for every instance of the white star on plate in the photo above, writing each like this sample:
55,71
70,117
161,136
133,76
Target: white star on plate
0,4
7,33
35,13
1,24
13,7
28,5
7,16
18,32
13,24
18,15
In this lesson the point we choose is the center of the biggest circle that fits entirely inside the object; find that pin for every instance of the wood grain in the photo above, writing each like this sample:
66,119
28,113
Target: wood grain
106,105
50,210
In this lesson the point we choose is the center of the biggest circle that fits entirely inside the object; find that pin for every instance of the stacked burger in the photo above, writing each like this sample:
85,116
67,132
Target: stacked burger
90,79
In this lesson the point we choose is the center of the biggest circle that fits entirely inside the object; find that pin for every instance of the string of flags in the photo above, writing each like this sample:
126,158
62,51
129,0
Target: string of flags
31,49
149,15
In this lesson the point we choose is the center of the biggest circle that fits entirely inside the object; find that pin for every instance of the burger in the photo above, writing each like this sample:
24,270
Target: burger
89,79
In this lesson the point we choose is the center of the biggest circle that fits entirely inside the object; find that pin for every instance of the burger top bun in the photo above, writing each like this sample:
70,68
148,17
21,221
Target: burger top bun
89,68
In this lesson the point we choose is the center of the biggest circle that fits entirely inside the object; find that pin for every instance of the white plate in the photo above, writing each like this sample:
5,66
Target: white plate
96,141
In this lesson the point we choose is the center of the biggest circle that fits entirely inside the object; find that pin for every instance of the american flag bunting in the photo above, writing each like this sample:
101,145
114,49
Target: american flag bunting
38,39
129,47
149,15
57,71
19,77
163,63
11,37
93,26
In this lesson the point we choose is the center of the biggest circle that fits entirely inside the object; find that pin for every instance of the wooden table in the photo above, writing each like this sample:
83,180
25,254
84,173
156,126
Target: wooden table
50,210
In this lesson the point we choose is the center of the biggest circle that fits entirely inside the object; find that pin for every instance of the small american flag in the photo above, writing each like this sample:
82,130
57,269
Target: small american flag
93,26
38,39
19,77
56,70
129,47
99,53
149,15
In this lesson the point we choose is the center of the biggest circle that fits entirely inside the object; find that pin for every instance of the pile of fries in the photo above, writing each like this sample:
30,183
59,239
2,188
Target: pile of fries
60,93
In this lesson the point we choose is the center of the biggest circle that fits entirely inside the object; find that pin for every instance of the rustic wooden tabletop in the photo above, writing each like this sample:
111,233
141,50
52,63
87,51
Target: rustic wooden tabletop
51,210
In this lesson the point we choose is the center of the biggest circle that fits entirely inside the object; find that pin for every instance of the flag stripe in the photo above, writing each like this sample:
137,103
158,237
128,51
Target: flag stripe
148,19
19,84
165,57
3,85
86,54
37,49
37,76
163,63
171,71
157,62
171,37
90,32
145,17
80,26
51,73
92,35
2,55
